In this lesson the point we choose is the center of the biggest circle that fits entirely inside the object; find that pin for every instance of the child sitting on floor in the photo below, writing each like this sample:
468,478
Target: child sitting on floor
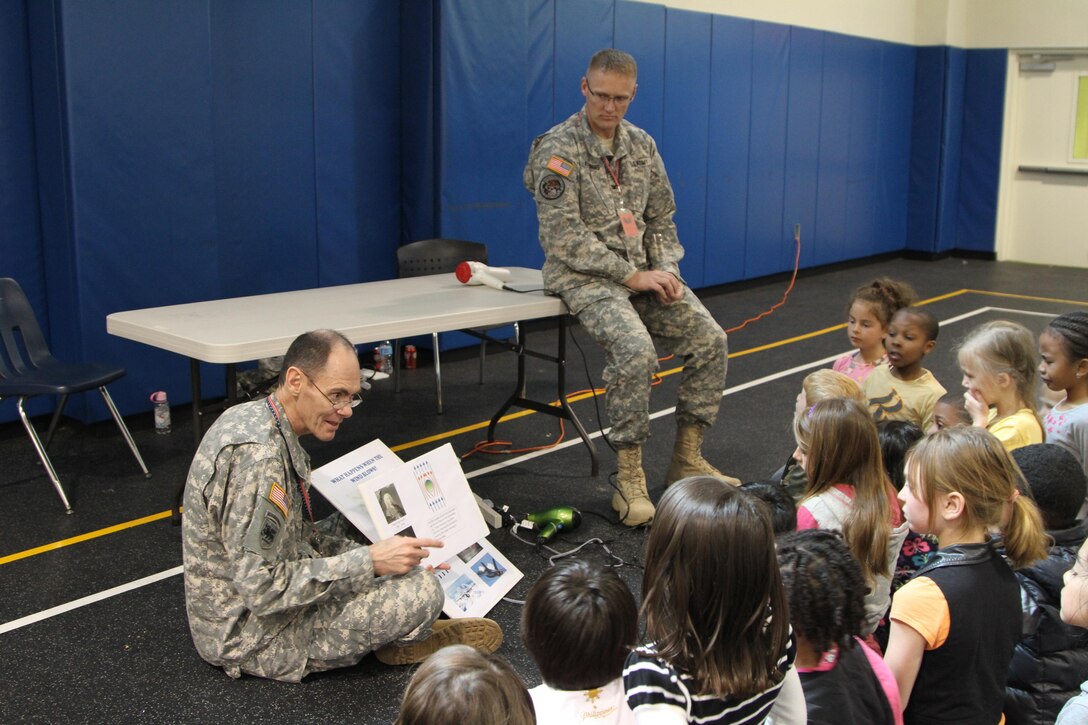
904,390
719,646
954,625
458,685
848,491
818,385
779,502
948,411
1051,659
868,314
580,621
999,372
1063,366
843,680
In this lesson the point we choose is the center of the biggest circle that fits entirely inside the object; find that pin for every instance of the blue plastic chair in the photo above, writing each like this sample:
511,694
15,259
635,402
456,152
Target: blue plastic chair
27,369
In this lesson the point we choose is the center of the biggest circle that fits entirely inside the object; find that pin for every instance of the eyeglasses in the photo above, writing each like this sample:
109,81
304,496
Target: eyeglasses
340,400
604,99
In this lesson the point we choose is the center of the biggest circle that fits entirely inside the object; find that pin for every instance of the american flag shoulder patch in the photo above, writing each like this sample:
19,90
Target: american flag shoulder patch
559,166
278,496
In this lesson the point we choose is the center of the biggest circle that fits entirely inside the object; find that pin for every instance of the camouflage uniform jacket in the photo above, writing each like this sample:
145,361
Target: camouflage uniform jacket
254,563
588,255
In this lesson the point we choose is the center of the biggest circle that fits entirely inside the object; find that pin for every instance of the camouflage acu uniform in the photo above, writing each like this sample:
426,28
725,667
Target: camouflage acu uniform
588,257
267,592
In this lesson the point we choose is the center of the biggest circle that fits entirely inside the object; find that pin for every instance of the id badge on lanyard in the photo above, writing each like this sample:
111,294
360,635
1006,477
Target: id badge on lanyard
627,219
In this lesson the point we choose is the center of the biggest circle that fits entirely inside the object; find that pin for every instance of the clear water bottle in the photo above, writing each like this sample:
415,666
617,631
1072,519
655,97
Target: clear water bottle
387,357
162,412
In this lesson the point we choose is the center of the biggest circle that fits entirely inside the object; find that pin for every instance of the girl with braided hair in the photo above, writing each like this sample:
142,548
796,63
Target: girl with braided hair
843,680
868,315
1063,353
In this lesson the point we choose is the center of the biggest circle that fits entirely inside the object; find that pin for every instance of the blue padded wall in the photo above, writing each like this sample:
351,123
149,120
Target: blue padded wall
926,150
802,160
727,148
482,153
956,149
263,127
767,149
20,232
895,118
683,144
980,163
417,130
356,140
951,143
761,125
191,151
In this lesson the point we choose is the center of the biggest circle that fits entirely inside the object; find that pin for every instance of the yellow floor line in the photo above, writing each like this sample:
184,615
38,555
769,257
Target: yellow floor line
520,414
1027,297
83,537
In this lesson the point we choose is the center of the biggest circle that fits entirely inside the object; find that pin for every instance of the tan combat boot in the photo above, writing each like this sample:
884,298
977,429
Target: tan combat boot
483,634
631,501
687,457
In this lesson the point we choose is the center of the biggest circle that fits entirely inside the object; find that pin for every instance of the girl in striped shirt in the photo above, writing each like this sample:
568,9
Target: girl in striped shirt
720,647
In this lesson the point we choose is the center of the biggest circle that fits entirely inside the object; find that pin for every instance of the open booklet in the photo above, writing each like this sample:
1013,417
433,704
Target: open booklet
429,497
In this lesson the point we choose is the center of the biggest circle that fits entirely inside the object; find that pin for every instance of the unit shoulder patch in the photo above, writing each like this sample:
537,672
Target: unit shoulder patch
552,187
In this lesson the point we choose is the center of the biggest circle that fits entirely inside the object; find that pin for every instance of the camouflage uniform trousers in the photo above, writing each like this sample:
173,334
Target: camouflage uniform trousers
627,330
398,609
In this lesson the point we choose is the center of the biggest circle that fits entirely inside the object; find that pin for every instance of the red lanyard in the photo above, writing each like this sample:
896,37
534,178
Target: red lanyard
301,485
614,174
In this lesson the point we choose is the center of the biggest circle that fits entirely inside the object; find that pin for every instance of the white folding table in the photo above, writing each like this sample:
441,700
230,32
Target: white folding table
241,329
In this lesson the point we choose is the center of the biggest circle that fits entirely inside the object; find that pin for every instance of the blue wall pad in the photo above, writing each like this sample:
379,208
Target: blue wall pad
160,153
980,165
926,150
208,150
727,148
683,145
20,231
952,132
767,149
357,169
802,158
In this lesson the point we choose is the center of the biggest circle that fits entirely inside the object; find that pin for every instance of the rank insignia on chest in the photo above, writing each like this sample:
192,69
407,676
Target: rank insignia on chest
552,187
279,497
559,166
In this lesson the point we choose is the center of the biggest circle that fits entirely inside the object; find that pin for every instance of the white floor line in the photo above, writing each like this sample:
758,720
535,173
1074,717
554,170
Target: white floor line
89,599
92,598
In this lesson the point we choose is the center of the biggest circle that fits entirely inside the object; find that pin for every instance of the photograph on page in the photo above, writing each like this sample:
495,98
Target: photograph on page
338,481
429,495
478,577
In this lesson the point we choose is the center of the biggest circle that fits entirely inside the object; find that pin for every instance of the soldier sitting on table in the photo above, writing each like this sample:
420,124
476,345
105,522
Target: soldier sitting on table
270,592
605,209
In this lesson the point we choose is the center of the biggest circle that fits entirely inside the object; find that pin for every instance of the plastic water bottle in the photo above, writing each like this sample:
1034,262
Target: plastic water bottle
387,357
162,412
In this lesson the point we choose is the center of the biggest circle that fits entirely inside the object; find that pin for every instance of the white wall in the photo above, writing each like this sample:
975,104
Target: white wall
961,23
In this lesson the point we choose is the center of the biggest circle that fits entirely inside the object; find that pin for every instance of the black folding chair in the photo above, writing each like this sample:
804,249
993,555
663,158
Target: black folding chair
27,369
439,256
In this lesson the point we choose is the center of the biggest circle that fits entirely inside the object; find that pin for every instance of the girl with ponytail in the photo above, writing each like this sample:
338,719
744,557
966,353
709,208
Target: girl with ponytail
954,625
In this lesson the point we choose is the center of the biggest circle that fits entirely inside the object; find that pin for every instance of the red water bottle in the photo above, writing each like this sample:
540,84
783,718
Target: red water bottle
409,357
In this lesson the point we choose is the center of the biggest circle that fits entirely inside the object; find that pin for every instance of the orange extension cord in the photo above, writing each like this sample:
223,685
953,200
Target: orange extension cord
489,447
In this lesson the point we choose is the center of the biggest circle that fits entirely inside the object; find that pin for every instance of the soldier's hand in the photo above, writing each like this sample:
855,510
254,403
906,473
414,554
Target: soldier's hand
400,554
665,286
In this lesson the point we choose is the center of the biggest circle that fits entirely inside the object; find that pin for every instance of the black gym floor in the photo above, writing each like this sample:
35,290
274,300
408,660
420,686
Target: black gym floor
92,616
